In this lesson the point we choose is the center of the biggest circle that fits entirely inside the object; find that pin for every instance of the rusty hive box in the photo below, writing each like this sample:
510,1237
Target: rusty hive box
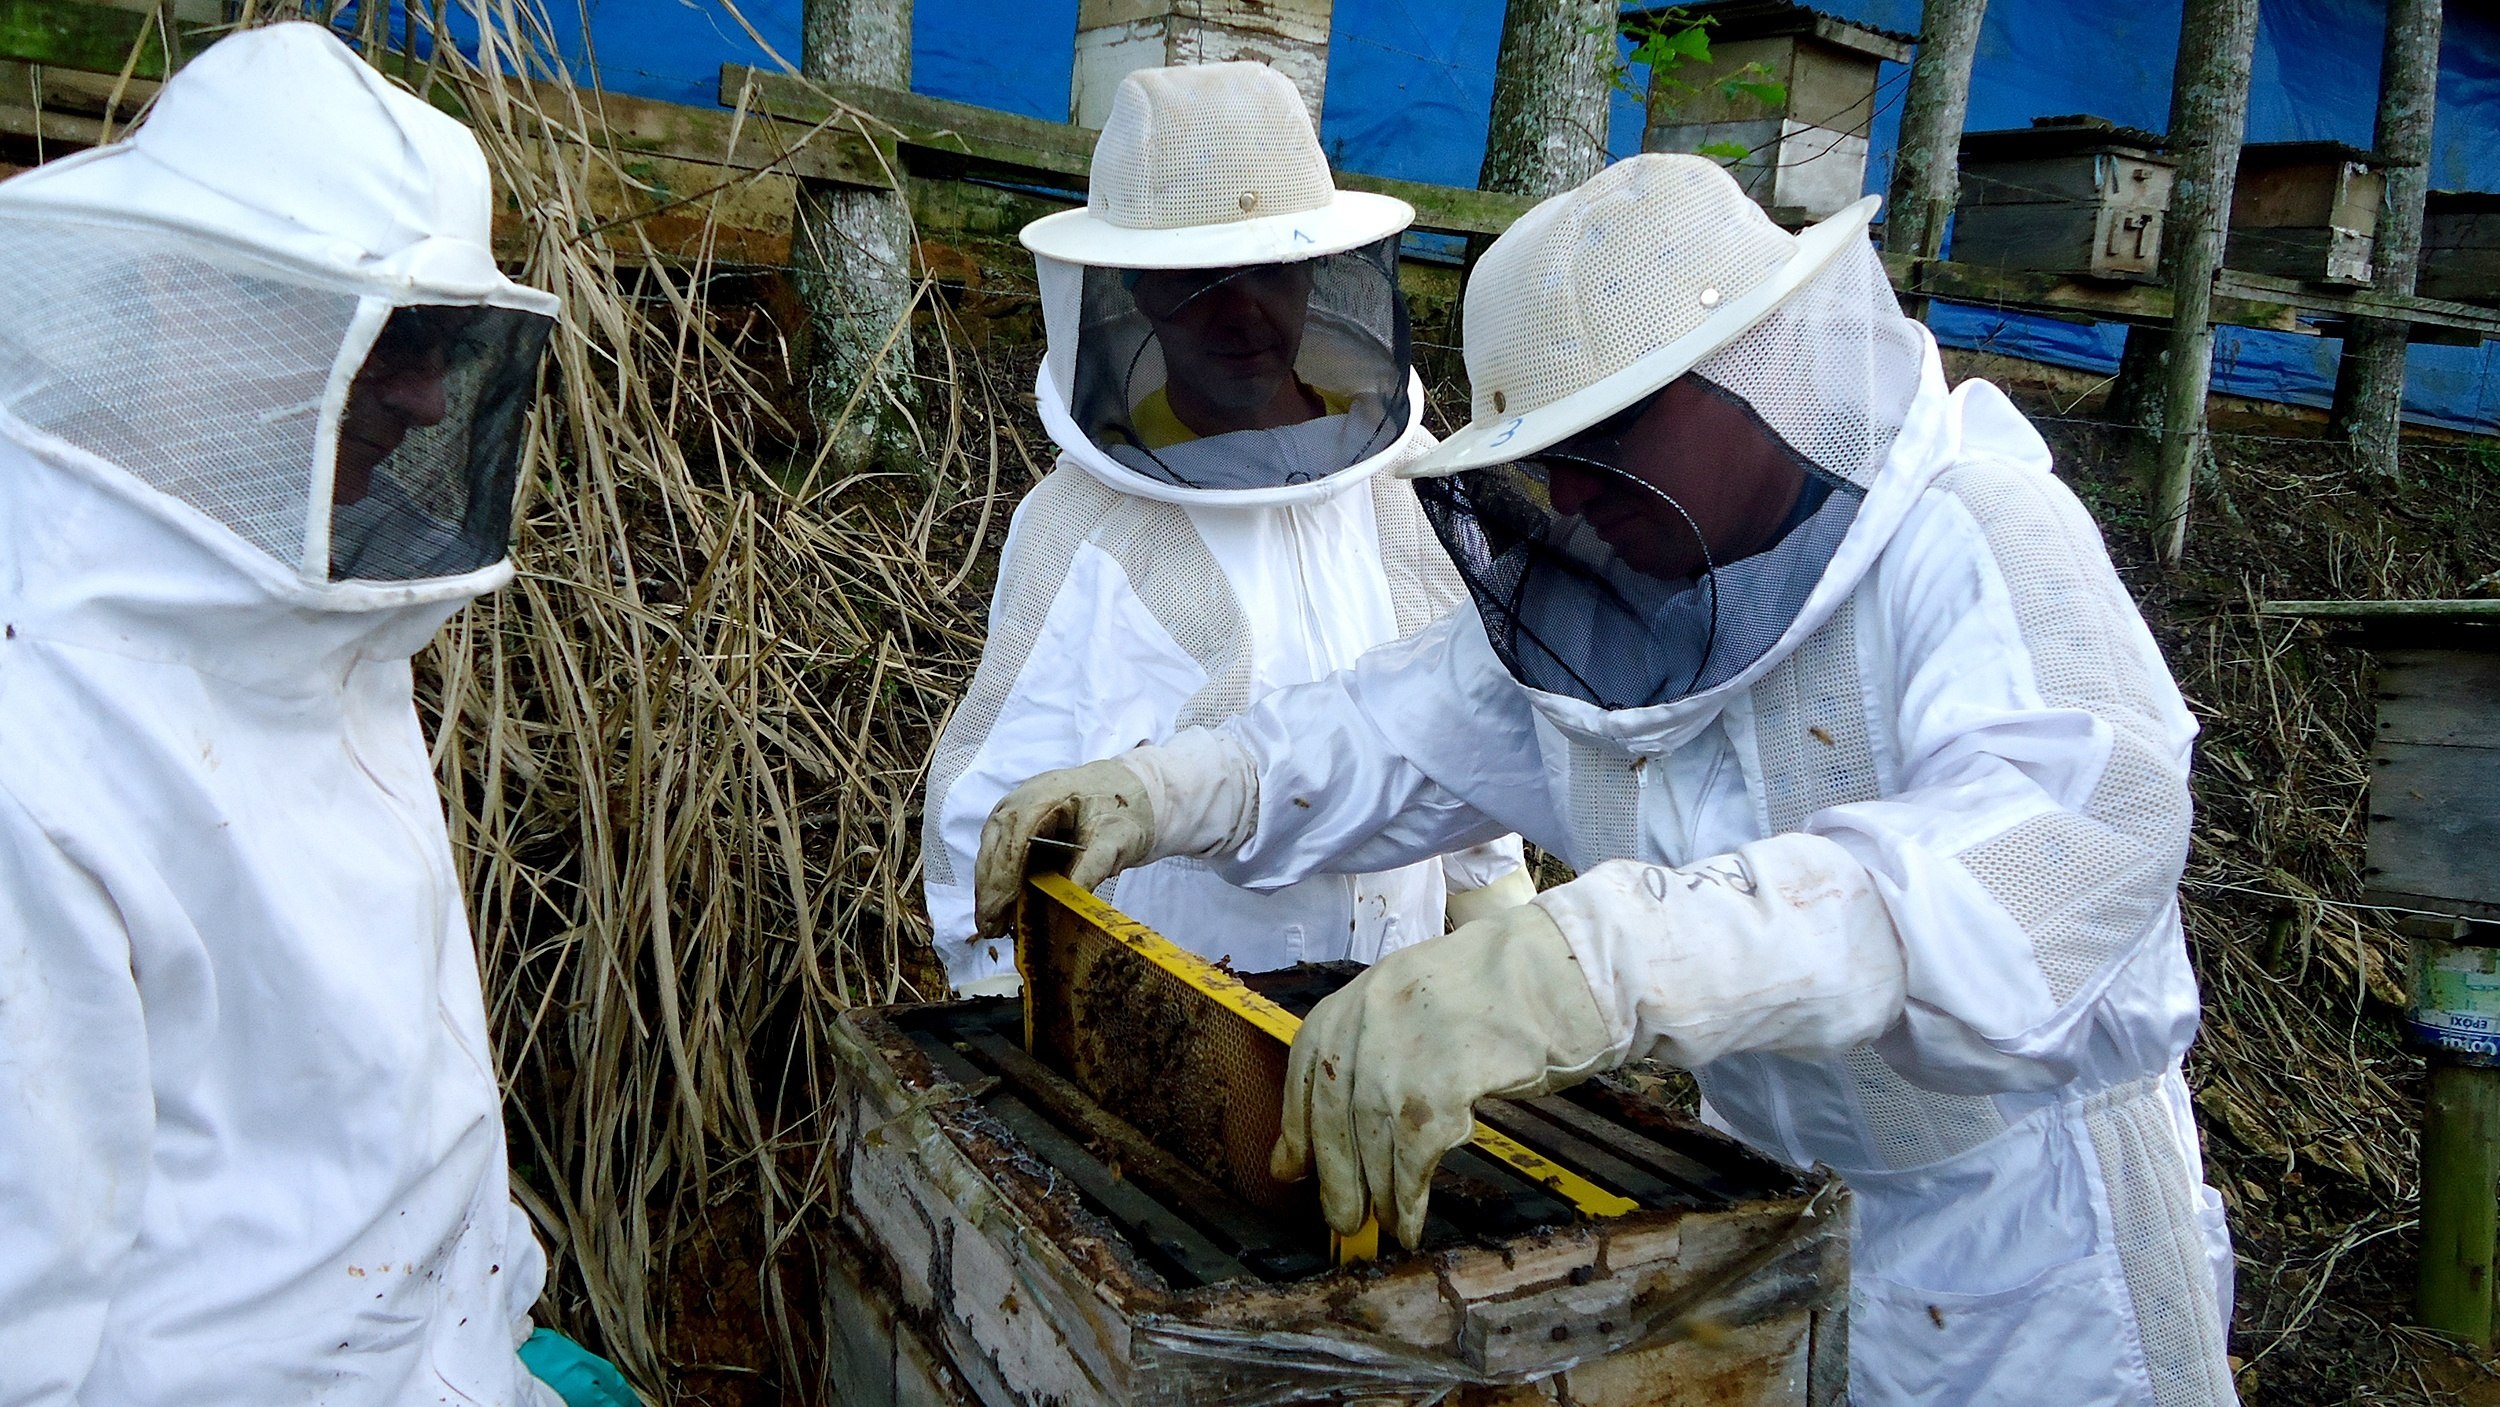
1005,1239
2306,210
2461,247
2076,196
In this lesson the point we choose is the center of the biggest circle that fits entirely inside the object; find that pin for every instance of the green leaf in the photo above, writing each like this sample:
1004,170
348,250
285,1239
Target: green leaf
1767,94
1726,153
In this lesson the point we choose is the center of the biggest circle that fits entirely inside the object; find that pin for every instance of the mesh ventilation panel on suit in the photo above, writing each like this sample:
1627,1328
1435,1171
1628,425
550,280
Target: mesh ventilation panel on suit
429,443
1244,378
202,379
1598,582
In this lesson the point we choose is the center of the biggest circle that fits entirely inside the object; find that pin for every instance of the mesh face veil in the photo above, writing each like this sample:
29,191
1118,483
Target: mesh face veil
1665,550
1241,378
347,439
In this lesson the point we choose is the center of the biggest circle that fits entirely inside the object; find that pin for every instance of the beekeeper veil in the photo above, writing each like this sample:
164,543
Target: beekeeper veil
1678,408
1223,320
276,305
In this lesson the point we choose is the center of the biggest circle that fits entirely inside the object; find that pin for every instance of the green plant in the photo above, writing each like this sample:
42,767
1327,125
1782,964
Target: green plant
1669,40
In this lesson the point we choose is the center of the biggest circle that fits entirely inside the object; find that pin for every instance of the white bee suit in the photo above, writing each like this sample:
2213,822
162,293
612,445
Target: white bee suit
251,1145
1968,709
1159,578
1128,608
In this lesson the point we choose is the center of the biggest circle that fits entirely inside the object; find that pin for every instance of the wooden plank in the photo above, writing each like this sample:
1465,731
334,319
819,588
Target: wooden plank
2435,821
1050,154
2357,302
2471,612
96,38
2439,698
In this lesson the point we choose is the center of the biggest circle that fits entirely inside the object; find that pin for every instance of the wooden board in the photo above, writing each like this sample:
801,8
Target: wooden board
2435,779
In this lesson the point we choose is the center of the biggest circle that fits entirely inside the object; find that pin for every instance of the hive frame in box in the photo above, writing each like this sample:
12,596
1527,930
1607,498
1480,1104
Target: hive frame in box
989,1247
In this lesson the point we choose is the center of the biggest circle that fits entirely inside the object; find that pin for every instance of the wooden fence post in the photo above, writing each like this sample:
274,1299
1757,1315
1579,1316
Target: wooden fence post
1926,167
2370,378
853,250
1552,93
2209,113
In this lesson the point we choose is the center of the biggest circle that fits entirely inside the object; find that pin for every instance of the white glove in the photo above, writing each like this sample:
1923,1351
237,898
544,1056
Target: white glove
998,984
1782,946
1195,795
1465,906
1385,1074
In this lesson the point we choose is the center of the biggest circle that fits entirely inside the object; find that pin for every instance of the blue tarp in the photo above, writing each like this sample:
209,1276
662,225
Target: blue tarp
1410,82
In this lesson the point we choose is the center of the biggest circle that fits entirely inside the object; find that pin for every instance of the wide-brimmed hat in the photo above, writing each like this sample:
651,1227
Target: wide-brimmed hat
1212,166
1601,295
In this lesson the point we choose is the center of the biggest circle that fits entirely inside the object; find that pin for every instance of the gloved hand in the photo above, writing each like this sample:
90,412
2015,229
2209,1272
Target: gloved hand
575,1374
1465,906
1194,795
1386,1072
1100,808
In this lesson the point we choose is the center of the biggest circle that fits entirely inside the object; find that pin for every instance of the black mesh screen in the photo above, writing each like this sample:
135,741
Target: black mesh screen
429,443
1245,378
1622,602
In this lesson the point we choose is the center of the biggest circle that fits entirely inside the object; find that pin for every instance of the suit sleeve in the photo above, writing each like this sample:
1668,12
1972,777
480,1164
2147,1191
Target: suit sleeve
1098,675
2030,855
76,1113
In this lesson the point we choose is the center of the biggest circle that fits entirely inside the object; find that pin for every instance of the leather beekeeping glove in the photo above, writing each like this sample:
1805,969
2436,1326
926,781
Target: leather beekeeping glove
1782,946
1195,795
1485,900
1386,1072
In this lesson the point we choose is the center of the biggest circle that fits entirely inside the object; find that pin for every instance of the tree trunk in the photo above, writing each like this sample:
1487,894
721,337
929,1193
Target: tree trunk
853,249
2370,379
1552,92
2209,114
1926,168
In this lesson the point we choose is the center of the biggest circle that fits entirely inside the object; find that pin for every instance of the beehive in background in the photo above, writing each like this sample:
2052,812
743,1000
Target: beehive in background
2077,196
1804,154
2306,210
1115,38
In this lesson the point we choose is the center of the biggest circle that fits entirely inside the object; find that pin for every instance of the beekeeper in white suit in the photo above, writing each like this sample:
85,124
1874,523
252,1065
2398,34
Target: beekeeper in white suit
261,392
1875,782
1228,377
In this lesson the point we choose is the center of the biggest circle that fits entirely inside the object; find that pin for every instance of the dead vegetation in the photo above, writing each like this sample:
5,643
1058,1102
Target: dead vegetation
683,754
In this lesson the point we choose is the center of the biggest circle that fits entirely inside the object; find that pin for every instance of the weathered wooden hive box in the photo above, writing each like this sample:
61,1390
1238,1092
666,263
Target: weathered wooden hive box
2435,765
1003,1240
2075,196
2461,247
1805,153
1114,38
2306,210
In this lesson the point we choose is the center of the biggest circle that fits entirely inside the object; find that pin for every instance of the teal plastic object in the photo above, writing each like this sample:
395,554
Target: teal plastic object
579,1376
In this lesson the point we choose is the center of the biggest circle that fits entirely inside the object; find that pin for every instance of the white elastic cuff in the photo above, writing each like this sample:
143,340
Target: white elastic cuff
1203,790
1782,946
998,984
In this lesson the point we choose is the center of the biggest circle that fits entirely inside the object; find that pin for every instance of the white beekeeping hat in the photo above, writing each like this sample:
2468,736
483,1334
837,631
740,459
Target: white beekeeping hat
1603,294
1211,166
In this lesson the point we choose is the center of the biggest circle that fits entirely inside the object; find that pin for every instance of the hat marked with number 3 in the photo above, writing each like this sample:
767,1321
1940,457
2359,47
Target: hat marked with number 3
1602,295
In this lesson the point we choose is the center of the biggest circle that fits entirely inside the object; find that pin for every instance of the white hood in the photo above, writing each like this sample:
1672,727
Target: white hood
192,305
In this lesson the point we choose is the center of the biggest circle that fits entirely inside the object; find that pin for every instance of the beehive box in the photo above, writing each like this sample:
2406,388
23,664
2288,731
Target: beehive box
1115,38
2461,247
1003,1240
2074,196
2306,210
1805,154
